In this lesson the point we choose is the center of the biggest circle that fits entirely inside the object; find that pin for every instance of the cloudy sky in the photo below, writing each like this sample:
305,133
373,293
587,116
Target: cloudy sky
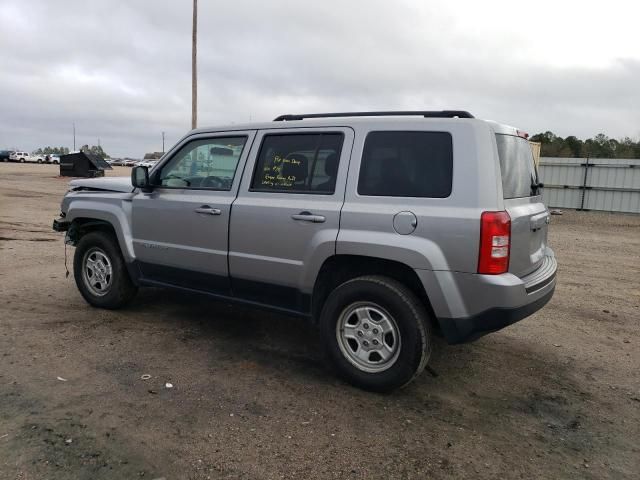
121,69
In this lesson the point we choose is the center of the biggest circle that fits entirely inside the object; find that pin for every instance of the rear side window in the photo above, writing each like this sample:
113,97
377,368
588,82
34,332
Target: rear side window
517,166
298,163
407,164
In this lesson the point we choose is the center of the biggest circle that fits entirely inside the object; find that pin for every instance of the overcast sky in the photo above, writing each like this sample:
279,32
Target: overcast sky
121,69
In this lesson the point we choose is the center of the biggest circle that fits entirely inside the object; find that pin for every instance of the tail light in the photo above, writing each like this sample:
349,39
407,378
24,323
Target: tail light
495,242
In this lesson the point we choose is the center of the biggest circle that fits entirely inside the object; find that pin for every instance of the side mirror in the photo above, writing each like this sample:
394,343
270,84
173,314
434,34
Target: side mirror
140,178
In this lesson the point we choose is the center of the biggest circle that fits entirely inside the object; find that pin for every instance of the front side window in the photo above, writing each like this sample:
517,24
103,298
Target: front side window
407,164
298,163
207,163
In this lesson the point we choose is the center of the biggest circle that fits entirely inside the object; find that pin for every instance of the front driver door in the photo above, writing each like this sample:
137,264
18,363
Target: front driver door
180,229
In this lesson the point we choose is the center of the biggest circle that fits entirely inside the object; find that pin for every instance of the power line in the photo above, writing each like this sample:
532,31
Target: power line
194,70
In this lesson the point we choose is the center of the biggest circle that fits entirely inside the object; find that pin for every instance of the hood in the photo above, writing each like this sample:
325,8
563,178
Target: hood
110,184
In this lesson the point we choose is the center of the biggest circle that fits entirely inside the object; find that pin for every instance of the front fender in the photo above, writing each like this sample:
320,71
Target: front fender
115,211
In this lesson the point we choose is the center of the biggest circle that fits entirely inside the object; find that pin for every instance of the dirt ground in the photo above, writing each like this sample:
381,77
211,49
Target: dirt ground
554,396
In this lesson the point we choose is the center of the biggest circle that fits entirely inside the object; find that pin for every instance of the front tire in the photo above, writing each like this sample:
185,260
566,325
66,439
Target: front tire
100,271
376,333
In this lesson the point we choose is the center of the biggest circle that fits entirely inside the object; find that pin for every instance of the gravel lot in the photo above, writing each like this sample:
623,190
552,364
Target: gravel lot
554,396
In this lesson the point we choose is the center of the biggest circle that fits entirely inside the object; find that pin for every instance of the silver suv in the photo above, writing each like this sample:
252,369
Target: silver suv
383,228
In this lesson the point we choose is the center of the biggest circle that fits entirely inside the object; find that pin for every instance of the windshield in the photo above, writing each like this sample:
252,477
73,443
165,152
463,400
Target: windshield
519,174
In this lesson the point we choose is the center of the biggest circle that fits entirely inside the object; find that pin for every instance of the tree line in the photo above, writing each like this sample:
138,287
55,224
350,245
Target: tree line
51,151
599,146
95,149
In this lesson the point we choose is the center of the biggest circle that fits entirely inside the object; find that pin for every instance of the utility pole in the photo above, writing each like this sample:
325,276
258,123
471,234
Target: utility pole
194,70
162,142
74,136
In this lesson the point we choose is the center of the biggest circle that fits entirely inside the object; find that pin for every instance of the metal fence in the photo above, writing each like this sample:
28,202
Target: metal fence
608,184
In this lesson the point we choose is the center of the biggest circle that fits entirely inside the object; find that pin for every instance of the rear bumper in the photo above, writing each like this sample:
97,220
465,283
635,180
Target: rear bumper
462,330
469,306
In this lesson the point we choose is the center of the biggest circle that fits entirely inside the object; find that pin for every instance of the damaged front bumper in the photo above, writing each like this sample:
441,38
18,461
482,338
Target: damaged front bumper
61,224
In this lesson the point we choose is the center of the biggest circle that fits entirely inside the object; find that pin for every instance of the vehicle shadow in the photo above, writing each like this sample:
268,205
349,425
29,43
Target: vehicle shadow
501,385
292,343
250,334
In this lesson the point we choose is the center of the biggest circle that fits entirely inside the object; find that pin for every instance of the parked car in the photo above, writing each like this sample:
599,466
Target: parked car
23,157
130,162
148,163
382,228
52,158
5,155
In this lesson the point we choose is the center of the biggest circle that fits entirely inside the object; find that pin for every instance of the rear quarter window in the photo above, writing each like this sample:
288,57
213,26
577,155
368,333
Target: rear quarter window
516,165
407,164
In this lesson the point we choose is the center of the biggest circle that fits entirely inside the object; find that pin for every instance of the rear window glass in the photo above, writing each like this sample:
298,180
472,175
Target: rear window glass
517,166
407,164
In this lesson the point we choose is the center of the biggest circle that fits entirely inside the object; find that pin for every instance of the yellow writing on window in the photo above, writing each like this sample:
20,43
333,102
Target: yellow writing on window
272,176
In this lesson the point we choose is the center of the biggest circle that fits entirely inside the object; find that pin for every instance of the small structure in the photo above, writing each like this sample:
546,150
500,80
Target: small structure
82,164
153,156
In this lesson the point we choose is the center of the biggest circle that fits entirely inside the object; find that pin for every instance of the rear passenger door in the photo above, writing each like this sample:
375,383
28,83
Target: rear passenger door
285,220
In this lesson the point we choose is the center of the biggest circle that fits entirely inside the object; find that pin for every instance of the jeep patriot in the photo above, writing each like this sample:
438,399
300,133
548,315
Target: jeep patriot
383,228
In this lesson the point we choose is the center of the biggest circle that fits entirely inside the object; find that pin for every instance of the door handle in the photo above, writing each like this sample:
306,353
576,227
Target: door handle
208,210
308,217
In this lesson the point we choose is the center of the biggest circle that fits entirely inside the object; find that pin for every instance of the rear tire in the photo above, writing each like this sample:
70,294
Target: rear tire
376,333
100,271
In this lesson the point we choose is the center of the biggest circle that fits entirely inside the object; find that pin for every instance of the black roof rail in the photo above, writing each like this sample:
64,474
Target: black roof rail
401,113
